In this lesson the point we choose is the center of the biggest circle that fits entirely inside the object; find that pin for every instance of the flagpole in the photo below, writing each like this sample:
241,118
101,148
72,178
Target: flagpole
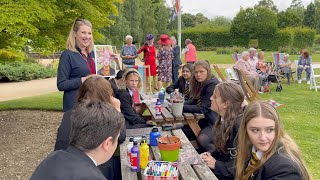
179,26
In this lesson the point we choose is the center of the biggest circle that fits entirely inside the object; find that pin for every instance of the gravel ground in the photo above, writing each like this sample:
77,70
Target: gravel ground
27,137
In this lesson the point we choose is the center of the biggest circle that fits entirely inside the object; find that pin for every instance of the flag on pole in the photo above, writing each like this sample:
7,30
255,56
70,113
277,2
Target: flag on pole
177,6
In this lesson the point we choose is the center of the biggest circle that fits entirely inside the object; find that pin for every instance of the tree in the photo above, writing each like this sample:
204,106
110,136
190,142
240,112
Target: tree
310,16
289,18
200,18
267,4
188,20
162,16
296,4
148,22
133,15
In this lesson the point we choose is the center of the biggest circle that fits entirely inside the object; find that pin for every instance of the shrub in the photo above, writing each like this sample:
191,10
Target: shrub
317,39
20,71
303,37
10,56
230,50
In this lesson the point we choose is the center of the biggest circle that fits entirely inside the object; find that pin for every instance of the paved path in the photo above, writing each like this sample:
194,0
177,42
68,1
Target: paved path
16,90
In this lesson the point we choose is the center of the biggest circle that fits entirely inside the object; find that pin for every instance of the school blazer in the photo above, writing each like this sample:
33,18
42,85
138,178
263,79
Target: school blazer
71,164
277,167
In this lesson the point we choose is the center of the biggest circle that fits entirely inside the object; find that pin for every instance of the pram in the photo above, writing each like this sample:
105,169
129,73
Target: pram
275,77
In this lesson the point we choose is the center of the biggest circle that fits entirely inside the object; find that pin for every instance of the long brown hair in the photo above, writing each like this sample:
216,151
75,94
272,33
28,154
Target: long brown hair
95,88
196,87
71,41
233,95
282,141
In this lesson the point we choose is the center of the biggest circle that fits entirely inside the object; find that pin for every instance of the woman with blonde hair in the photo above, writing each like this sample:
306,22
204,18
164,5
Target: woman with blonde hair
226,100
132,112
76,62
265,150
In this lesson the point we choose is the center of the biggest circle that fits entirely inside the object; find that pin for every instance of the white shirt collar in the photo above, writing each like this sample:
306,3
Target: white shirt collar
130,92
258,153
93,160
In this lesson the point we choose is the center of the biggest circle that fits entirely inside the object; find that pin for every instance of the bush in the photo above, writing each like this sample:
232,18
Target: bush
303,37
317,39
230,50
20,71
10,56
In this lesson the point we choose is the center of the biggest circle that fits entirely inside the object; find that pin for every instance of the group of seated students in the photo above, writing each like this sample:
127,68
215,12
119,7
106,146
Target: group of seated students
237,141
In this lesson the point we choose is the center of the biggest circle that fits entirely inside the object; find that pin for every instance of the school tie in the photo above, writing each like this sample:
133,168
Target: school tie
132,98
253,161
187,90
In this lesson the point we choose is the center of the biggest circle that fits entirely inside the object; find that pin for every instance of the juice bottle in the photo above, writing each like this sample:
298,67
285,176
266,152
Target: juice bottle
129,146
135,157
144,154
158,108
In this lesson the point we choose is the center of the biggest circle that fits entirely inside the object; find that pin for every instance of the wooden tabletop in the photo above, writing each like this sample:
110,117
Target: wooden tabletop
190,119
190,166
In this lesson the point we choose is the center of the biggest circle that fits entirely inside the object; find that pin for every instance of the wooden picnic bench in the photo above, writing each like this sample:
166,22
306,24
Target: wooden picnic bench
187,170
190,119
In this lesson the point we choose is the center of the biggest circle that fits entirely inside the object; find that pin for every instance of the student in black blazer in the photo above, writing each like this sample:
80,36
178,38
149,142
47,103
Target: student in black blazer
183,82
96,126
265,150
203,84
93,88
226,101
132,112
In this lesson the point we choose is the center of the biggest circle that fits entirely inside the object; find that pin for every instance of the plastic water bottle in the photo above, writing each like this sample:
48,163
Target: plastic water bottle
135,157
158,108
144,154
129,146
154,134
161,96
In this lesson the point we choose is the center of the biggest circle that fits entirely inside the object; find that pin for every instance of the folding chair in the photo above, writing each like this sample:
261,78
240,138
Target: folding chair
276,59
231,75
249,90
236,57
142,69
216,68
314,76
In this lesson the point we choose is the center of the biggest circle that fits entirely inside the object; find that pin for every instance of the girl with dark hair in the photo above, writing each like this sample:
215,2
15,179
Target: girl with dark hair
226,100
183,82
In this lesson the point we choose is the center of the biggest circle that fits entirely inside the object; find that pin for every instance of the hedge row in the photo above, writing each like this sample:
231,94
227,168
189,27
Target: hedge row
25,71
291,37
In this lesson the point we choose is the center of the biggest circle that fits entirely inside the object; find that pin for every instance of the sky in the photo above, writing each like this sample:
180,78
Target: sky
227,8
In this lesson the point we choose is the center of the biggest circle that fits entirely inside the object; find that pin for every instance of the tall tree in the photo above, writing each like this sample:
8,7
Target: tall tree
200,18
267,4
148,22
162,13
133,15
188,20
310,16
296,4
289,18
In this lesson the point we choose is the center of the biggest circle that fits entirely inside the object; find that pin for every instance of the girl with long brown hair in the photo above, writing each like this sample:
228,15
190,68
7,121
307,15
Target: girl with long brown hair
265,150
202,85
227,101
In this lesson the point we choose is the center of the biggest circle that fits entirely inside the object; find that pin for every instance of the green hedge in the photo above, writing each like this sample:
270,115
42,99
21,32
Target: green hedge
10,55
208,39
288,38
25,71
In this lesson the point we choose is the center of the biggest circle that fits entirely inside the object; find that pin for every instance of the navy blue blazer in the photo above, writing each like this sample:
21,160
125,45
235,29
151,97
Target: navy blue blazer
191,106
71,164
225,162
132,118
179,84
278,167
72,67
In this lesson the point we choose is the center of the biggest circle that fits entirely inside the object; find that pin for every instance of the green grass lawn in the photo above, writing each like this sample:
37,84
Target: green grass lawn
215,58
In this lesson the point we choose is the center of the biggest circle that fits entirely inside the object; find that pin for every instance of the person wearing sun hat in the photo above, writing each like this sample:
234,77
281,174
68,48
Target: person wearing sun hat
165,57
149,56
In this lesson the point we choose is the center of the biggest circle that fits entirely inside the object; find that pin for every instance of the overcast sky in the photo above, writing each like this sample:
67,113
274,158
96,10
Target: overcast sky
227,8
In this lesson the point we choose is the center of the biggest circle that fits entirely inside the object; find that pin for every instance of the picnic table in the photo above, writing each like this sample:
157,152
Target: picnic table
190,119
190,165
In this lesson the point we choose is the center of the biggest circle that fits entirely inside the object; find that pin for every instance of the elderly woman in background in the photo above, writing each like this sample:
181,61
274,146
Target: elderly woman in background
190,52
248,70
129,52
304,64
285,66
